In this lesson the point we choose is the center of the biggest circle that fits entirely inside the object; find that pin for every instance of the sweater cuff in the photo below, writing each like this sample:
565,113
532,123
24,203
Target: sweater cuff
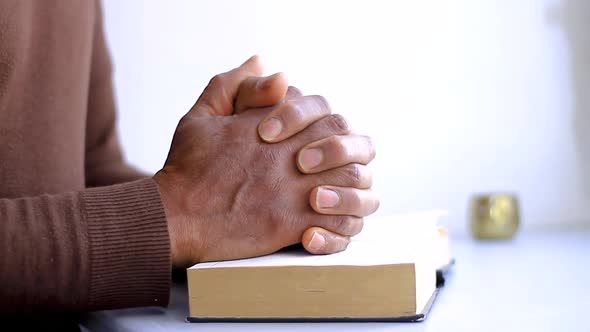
130,262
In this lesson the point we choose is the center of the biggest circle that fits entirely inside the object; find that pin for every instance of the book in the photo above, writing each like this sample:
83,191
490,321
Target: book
388,273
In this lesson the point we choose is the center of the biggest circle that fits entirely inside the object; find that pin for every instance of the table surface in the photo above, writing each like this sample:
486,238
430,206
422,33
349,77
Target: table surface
536,282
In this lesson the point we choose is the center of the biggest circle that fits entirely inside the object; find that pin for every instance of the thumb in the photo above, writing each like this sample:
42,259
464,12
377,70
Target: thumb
257,92
317,240
218,97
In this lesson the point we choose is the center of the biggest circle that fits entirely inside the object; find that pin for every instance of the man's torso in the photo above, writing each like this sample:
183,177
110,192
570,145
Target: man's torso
45,61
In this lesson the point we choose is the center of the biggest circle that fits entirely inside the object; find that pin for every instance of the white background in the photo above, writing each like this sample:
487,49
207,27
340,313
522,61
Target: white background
461,97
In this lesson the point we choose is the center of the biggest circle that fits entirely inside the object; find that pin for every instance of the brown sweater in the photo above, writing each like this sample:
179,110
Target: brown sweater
66,247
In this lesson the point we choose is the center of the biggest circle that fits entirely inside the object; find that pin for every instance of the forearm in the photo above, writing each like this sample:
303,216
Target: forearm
101,248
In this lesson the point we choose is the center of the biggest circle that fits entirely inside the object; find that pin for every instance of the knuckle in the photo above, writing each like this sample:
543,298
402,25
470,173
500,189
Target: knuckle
377,204
355,200
348,225
322,104
292,111
293,92
367,177
354,173
345,245
358,172
360,226
344,225
185,119
338,122
338,147
217,80
370,147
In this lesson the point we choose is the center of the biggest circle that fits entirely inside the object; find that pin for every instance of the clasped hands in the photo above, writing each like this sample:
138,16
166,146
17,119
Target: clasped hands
256,166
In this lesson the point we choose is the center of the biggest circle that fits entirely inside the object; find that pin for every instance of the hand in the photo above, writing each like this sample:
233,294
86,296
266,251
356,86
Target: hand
228,195
349,152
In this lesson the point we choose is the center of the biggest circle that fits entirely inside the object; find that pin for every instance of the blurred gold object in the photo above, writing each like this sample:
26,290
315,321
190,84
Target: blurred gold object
494,216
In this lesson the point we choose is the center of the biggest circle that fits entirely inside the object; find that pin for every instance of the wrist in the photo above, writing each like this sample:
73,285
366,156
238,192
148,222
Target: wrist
177,219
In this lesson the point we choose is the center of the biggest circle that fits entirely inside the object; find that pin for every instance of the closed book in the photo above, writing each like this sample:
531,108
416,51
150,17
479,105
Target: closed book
388,273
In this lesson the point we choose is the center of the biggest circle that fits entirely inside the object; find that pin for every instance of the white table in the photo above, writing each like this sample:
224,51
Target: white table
537,282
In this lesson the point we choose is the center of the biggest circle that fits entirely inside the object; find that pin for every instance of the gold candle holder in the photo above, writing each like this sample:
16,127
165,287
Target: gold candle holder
494,216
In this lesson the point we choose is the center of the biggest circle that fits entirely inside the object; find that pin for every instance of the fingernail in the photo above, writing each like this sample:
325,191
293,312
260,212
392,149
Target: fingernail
271,129
310,158
327,198
317,241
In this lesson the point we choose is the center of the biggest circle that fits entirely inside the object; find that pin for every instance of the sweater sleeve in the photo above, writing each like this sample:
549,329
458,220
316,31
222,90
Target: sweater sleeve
102,248
104,161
